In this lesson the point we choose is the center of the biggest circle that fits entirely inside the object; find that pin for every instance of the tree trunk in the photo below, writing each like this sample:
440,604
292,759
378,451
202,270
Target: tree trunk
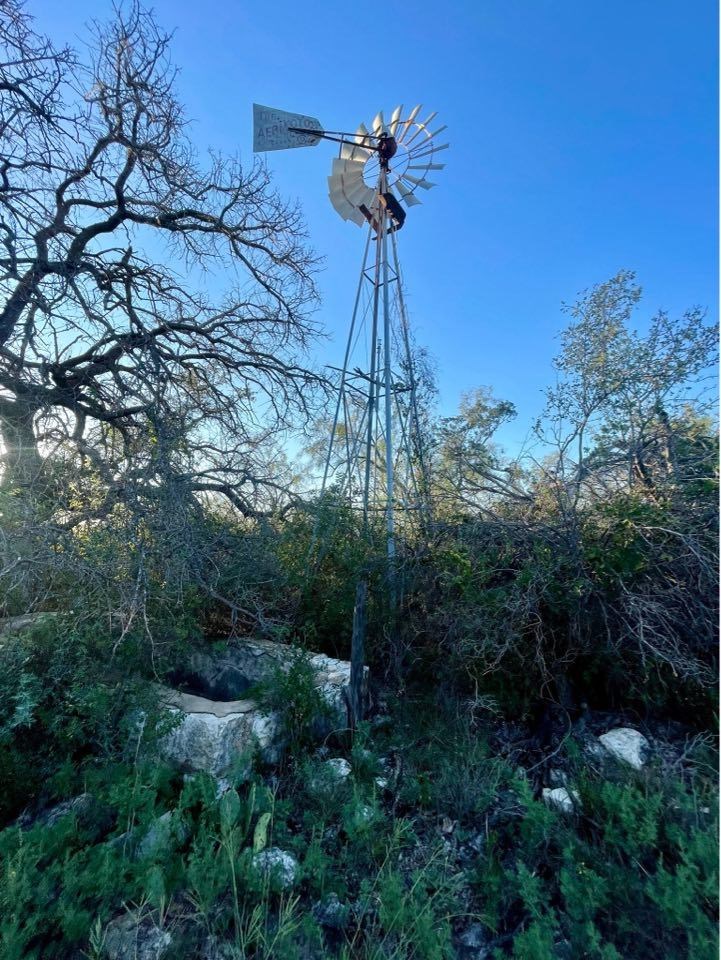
668,445
22,465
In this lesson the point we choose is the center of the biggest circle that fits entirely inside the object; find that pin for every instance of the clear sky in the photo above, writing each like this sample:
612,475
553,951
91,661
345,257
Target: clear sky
583,139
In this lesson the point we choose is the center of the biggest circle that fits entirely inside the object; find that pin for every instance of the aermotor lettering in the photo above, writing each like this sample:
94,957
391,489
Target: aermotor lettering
272,133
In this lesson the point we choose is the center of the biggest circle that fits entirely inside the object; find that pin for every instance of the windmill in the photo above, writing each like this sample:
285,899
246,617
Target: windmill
375,453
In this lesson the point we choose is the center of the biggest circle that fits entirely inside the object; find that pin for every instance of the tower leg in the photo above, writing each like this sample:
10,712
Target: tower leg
388,388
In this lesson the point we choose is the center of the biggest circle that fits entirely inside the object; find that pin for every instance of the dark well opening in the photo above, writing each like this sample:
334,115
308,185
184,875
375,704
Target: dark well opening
224,682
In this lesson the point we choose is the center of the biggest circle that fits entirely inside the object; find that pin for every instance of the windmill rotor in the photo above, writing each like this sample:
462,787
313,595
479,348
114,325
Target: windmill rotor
405,148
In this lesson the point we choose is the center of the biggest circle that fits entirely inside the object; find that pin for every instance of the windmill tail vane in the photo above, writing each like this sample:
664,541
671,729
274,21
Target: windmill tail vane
375,451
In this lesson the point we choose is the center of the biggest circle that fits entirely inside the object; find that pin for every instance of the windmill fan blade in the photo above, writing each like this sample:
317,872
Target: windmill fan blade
412,116
425,166
418,182
354,151
378,123
340,203
395,119
430,149
353,172
422,128
362,133
337,198
406,194
369,198
356,216
344,166
354,190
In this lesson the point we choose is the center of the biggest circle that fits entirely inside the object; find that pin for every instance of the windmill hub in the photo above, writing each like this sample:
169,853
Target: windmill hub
387,148
395,166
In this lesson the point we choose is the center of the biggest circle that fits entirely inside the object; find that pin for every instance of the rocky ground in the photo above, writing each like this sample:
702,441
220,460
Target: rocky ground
400,844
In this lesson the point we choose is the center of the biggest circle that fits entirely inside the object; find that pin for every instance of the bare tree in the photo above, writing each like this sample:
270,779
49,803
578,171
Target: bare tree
155,309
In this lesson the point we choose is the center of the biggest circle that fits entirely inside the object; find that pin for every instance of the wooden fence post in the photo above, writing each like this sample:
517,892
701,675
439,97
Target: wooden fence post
357,655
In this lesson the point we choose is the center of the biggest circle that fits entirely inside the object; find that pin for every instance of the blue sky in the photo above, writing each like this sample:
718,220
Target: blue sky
583,139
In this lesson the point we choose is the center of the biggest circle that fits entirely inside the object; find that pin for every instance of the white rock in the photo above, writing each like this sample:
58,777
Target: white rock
222,785
212,735
627,745
329,774
80,806
331,913
280,864
161,834
388,774
251,661
216,949
478,843
594,750
332,682
561,799
363,815
338,768
127,938
474,937
25,622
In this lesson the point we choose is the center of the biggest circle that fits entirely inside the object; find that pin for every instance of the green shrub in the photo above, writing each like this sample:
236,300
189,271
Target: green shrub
293,695
64,709
635,877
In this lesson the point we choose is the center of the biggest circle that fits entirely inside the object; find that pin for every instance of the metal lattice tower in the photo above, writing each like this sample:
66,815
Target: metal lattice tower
375,456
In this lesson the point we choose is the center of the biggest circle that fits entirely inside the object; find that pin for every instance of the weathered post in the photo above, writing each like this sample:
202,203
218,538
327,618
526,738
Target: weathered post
357,655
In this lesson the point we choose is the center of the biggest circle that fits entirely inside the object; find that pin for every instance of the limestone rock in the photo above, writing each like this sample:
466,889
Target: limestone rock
222,785
332,681
331,913
594,751
229,674
363,815
161,834
25,622
561,799
474,942
279,864
473,848
80,806
338,768
627,745
388,775
212,735
129,938
215,949
328,775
